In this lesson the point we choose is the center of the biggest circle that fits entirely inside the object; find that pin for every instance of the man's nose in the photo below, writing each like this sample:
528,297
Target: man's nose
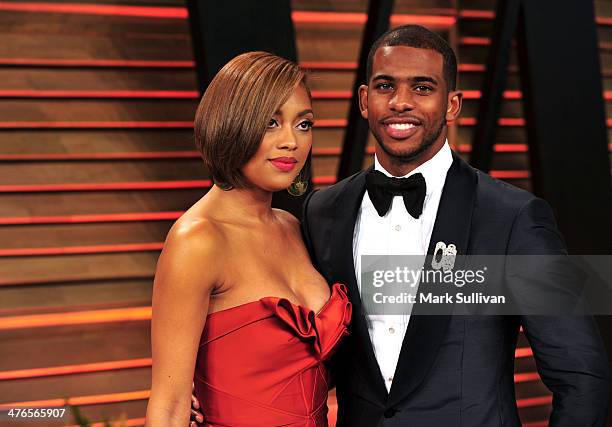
402,100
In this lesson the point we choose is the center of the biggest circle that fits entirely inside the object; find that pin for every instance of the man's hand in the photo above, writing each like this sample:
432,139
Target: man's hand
196,415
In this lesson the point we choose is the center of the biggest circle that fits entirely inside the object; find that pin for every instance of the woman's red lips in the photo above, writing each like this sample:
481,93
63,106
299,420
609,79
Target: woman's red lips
284,164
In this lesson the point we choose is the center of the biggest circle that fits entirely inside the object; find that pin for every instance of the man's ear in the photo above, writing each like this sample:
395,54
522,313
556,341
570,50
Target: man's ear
363,101
455,99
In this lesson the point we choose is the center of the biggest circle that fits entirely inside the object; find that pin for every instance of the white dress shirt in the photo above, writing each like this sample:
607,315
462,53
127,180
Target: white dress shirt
397,233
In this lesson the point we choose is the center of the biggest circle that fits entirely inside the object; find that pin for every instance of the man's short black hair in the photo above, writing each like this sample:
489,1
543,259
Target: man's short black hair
421,38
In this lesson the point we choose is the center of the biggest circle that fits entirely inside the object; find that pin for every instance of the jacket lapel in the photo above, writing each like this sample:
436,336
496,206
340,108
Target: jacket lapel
342,265
425,333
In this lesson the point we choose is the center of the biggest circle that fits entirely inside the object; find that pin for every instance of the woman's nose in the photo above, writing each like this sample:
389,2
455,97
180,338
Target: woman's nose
287,140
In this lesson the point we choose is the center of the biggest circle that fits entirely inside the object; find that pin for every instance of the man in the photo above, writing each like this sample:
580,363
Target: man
439,370
402,370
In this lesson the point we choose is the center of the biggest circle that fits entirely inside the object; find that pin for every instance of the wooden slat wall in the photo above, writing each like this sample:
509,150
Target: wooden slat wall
55,129
89,283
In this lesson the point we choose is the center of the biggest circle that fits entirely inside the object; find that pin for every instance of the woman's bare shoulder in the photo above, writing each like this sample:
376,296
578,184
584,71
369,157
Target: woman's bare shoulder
192,249
200,232
198,225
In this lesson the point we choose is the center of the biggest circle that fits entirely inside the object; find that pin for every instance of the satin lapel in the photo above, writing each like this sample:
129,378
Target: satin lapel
425,333
343,267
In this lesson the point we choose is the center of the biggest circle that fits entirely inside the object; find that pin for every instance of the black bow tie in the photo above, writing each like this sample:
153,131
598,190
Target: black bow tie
382,188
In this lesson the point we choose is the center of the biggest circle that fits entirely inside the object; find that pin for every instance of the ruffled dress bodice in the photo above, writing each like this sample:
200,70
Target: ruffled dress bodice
261,363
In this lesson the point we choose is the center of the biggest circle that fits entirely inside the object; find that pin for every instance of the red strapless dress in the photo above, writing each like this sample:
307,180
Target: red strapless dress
261,363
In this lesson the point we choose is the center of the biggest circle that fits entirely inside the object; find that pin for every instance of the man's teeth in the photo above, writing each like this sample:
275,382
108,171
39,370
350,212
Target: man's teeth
401,126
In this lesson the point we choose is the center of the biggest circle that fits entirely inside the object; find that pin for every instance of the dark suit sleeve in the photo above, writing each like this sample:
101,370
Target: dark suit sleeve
568,350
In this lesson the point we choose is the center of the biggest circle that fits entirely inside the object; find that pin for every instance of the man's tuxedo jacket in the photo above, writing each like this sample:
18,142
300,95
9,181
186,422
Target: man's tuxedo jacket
458,370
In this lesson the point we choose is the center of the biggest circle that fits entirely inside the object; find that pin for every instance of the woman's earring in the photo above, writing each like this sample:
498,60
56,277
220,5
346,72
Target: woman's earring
300,183
298,187
223,185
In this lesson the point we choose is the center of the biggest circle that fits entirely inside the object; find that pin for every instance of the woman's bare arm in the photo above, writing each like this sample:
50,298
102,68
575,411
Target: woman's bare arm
185,277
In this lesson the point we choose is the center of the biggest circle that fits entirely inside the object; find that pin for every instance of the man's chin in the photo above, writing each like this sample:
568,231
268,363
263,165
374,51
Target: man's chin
404,149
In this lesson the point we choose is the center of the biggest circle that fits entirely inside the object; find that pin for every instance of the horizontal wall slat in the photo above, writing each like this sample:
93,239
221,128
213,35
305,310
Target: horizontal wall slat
81,250
69,157
75,369
100,141
24,282
74,345
109,110
51,173
79,386
96,218
25,78
73,47
75,296
128,265
80,400
100,64
88,317
83,234
101,202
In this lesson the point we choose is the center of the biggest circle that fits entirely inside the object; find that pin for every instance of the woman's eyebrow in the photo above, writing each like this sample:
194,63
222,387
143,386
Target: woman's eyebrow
304,112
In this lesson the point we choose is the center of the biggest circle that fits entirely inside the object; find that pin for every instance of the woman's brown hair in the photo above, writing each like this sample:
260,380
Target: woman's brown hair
234,112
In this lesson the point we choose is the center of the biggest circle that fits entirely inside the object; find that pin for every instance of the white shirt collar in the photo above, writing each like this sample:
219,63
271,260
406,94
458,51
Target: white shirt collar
433,170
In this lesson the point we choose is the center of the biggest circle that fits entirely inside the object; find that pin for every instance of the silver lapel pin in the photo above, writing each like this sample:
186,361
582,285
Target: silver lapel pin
444,256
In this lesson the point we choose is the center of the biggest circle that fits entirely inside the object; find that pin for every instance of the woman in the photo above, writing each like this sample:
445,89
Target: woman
236,297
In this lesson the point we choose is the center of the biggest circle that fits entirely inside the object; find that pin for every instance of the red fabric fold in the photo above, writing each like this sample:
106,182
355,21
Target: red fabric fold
252,371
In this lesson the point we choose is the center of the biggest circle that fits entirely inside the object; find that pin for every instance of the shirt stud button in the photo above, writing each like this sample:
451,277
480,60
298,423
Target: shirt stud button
391,330
398,227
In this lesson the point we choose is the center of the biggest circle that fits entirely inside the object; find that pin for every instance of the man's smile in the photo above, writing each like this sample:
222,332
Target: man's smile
401,127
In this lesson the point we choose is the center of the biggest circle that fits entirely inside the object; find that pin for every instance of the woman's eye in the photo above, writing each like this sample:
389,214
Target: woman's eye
306,125
272,123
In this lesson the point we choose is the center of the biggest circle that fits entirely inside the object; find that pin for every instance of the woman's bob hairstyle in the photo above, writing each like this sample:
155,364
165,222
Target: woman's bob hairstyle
236,108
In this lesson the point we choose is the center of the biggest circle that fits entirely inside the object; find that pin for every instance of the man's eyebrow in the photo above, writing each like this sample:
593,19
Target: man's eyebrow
422,79
383,77
416,79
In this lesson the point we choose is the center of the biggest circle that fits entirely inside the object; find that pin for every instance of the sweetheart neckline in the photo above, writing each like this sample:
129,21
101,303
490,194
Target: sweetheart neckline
260,300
